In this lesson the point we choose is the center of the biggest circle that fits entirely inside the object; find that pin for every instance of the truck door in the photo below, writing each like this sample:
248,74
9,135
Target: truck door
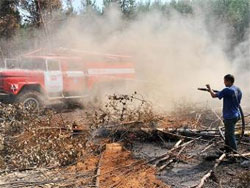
53,78
74,78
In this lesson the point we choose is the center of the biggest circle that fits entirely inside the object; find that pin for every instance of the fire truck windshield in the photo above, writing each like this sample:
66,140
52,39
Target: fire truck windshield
2,64
26,64
12,64
33,64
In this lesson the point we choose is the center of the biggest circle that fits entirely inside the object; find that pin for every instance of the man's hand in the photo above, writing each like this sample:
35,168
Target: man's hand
213,94
208,87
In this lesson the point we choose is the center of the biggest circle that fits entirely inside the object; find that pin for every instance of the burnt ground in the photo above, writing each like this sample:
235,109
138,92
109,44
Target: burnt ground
123,168
188,173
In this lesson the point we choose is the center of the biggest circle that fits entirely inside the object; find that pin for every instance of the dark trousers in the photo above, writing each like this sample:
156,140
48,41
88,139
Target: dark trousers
230,140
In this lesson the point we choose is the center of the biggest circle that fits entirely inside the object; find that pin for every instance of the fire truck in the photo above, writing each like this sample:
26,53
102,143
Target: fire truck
36,78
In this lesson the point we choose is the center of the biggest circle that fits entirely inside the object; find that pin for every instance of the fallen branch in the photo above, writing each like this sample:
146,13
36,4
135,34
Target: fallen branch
166,156
206,148
180,136
240,155
165,165
207,175
236,153
206,134
174,157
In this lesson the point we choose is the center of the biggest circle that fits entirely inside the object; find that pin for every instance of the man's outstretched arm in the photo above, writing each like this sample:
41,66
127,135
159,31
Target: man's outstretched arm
213,94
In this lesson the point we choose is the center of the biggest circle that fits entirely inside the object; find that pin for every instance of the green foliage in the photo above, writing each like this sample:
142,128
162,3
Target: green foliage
127,7
235,13
182,6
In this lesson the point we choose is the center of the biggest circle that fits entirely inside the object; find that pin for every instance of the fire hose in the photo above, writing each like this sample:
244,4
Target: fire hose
243,124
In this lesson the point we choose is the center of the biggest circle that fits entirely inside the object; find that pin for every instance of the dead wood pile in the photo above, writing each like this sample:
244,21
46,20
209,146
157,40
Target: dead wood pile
32,140
125,110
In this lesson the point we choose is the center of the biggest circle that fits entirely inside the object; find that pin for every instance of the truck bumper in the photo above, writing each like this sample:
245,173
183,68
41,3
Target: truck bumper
7,98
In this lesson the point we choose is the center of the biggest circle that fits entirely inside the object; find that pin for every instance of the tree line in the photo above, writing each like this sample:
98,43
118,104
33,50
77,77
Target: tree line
21,17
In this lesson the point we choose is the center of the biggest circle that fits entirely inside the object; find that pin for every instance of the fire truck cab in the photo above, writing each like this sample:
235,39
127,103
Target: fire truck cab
34,80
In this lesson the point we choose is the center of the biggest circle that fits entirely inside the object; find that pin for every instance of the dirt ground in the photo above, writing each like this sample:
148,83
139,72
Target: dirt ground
126,172
126,158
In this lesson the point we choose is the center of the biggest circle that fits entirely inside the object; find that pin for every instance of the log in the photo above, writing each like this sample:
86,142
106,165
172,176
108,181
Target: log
187,134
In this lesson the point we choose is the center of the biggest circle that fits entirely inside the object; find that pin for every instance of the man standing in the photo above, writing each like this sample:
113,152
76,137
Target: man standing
231,100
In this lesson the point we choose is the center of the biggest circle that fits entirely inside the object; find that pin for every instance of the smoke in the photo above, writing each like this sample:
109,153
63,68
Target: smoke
173,54
241,64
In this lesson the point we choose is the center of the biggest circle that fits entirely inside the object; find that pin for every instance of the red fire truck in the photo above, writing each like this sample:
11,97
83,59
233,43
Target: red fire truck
37,77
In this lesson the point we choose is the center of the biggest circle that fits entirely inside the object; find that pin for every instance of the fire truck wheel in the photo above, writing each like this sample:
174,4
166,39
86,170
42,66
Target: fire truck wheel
31,100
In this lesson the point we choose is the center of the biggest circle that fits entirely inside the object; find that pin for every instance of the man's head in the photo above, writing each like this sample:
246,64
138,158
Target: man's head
228,80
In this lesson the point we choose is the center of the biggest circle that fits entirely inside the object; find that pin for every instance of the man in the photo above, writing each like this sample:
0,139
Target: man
231,100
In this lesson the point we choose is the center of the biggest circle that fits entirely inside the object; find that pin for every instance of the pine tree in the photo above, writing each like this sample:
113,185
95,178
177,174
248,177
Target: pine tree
10,19
40,11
